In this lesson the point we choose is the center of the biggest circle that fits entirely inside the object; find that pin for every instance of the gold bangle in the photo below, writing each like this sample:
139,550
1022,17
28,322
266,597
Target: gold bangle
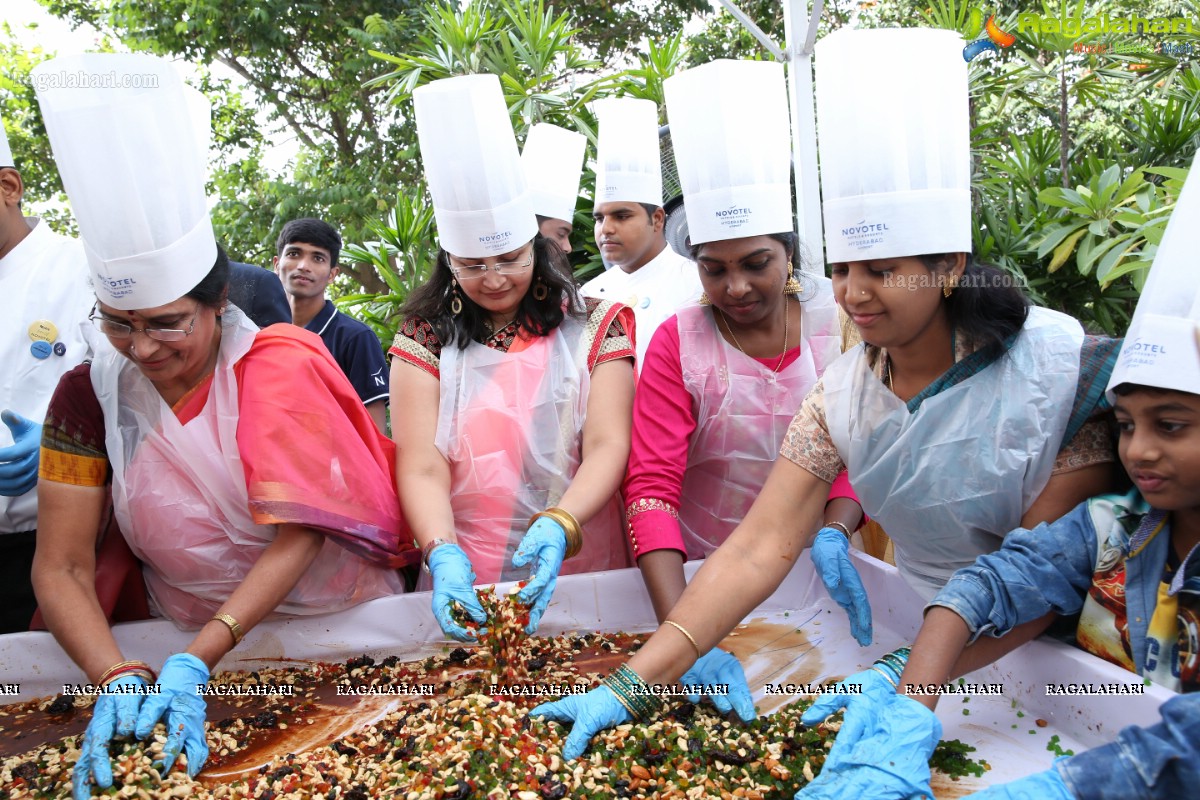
232,624
840,526
124,667
683,630
570,526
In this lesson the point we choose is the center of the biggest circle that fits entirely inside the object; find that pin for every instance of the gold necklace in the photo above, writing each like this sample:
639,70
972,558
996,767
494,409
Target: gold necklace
738,345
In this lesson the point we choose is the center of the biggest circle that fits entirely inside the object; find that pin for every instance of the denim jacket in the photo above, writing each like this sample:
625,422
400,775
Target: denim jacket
1050,568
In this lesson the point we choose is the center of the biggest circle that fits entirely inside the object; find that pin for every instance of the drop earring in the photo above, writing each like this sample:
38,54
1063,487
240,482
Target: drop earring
540,290
456,305
792,287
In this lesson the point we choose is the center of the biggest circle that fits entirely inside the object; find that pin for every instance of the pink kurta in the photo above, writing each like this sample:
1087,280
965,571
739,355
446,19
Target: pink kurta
669,424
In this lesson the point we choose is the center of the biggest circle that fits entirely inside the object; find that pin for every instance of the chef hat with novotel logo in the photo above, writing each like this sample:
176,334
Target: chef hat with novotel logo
552,160
480,200
627,155
126,150
894,143
1162,347
731,135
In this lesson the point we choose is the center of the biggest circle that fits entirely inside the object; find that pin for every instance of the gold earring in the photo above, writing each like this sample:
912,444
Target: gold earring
704,300
456,305
793,286
540,290
948,287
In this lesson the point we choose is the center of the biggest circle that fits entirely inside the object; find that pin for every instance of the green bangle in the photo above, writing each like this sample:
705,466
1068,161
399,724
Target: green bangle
895,683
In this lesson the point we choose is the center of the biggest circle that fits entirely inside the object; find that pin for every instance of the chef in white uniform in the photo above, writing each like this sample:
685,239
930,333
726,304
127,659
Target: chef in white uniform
646,275
552,161
45,295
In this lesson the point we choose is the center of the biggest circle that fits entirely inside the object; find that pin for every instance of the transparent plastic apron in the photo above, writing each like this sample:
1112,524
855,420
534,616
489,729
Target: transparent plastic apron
511,426
743,410
950,481
179,493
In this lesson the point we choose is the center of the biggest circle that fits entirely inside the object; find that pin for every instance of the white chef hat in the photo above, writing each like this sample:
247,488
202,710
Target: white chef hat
480,200
627,155
123,140
6,156
894,143
730,131
552,160
1161,348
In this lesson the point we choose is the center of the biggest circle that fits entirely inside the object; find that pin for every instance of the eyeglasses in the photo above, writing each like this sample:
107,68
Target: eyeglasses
119,330
470,272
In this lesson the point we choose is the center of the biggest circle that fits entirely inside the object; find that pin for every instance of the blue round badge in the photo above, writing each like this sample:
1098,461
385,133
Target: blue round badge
60,349
645,302
40,349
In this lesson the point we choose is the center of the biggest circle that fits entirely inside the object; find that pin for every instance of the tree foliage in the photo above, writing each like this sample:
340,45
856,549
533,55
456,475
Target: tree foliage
305,65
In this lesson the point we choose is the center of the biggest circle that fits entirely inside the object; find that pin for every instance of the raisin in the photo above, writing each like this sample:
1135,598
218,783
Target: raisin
606,647
577,643
462,792
343,749
359,792
265,719
361,661
695,746
390,661
552,790
732,758
227,722
652,755
282,772
683,712
534,664
26,770
61,705
458,655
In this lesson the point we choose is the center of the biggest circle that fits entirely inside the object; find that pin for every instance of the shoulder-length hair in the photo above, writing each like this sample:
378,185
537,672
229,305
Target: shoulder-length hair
431,301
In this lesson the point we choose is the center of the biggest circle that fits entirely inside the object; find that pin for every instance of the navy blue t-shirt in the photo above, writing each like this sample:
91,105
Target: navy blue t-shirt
356,349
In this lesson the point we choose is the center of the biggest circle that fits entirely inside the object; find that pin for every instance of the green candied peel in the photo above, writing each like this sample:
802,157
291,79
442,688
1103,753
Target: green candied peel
950,757
1055,747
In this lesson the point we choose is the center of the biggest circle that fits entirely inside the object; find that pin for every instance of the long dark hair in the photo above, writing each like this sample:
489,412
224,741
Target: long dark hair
986,305
431,302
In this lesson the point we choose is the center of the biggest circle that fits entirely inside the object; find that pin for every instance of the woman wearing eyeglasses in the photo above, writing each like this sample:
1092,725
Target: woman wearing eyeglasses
520,401
512,397
244,472
216,440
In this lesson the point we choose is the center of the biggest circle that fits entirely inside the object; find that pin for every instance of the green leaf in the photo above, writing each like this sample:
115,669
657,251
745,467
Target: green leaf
1064,250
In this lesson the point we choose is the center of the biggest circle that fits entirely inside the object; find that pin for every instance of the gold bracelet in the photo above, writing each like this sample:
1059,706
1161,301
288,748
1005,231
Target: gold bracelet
232,624
570,526
840,526
683,630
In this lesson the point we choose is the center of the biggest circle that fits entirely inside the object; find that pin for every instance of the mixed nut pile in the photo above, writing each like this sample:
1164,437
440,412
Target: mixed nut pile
459,729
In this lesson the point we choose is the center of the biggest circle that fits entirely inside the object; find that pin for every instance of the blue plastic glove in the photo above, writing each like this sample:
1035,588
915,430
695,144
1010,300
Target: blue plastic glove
719,666
454,581
889,762
113,715
863,710
545,544
831,557
1046,785
19,461
596,711
182,708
